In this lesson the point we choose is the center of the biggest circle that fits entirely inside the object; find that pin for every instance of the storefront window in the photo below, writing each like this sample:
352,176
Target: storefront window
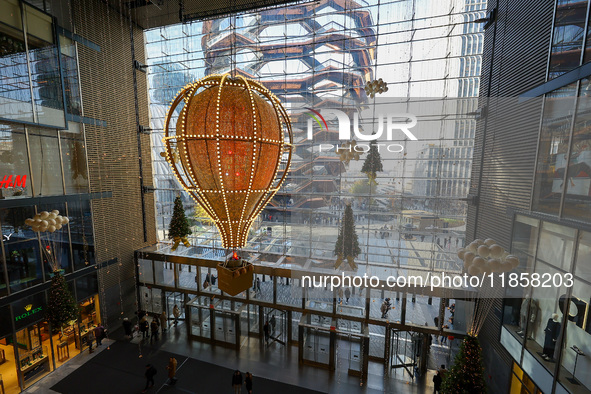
21,247
3,284
567,38
86,286
582,266
521,383
553,149
14,161
544,331
44,65
577,202
58,243
45,162
74,159
577,344
15,90
556,246
70,73
81,234
525,235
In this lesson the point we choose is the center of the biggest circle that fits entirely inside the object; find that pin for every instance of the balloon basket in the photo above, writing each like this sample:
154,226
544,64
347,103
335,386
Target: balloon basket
235,277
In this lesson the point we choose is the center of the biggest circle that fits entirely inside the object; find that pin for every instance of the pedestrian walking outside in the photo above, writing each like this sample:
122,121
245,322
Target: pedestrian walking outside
248,382
171,368
237,382
347,295
266,332
385,308
258,285
149,374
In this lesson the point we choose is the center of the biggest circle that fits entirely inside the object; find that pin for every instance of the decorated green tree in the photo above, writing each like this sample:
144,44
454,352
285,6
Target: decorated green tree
179,225
61,308
347,246
467,374
373,162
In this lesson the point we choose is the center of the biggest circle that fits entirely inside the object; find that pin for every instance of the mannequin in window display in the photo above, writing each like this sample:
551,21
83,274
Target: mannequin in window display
523,319
551,331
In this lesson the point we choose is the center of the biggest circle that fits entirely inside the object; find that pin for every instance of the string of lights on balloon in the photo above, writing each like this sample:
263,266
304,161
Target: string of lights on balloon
233,226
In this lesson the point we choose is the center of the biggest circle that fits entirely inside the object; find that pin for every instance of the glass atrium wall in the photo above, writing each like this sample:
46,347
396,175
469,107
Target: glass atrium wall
321,55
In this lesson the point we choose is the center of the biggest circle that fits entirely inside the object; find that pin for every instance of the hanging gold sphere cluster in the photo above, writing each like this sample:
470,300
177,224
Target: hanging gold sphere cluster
375,87
347,152
47,221
483,257
231,139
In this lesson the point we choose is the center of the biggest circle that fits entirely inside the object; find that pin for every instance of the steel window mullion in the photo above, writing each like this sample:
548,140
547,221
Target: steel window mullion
551,40
24,23
569,148
585,30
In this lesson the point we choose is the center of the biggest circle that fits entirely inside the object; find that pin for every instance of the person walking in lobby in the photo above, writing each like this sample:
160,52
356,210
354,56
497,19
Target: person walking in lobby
127,327
171,368
248,382
149,374
99,334
176,312
90,339
237,382
154,330
437,380
266,331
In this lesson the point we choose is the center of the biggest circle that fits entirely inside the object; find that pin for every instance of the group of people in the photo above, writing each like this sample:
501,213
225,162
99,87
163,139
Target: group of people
151,372
344,295
237,381
98,333
151,328
438,379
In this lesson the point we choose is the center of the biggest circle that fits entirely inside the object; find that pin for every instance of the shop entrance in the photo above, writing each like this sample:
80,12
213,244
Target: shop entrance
9,381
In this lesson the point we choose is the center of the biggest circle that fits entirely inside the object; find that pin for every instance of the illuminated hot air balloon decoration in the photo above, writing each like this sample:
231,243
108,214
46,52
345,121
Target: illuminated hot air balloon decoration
231,138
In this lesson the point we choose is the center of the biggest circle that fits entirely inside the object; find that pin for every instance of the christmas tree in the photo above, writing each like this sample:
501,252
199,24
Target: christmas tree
373,162
347,246
62,308
467,374
179,225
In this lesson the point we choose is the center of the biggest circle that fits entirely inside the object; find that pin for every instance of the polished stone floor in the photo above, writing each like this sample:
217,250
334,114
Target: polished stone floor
206,363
